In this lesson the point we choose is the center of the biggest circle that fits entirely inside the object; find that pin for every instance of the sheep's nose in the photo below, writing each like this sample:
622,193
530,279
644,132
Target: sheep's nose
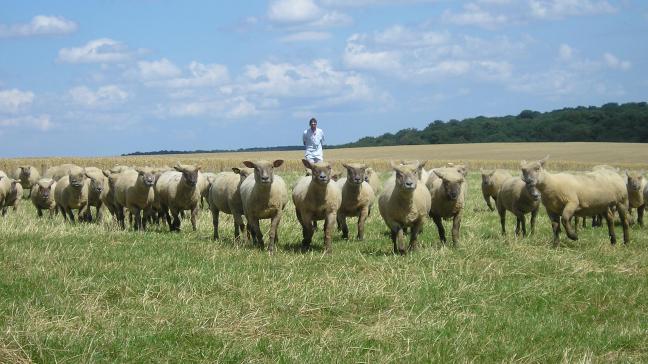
265,179
358,180
409,184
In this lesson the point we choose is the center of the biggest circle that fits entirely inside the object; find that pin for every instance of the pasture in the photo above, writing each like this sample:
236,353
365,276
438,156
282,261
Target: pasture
95,293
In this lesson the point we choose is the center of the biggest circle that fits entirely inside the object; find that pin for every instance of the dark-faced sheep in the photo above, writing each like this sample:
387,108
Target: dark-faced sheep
225,196
71,193
42,196
357,198
448,194
178,191
515,196
491,183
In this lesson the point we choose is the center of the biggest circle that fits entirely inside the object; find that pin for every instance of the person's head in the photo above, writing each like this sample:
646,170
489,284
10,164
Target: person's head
313,123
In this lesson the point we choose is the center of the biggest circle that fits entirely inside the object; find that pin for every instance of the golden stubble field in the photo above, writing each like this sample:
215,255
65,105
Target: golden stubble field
563,156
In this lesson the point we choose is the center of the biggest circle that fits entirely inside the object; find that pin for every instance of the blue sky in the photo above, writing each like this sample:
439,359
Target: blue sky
88,78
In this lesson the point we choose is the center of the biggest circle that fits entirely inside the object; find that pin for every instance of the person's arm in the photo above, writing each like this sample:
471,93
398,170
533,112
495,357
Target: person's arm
322,142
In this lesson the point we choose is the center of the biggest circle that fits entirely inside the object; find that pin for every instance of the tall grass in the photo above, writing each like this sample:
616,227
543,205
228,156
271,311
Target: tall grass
95,293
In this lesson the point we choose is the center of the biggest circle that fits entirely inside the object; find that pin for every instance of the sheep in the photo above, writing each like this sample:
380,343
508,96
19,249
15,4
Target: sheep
5,186
371,177
179,190
357,198
13,195
515,196
71,192
57,172
205,185
404,202
134,190
263,196
28,176
636,185
565,195
225,196
108,193
42,196
448,193
491,183
317,199
98,183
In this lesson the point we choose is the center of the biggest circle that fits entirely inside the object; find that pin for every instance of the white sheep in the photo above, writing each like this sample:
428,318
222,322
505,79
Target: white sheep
565,195
57,172
357,198
13,196
71,192
491,183
225,196
515,196
448,193
404,203
264,195
134,191
179,191
42,196
28,176
371,177
636,185
97,184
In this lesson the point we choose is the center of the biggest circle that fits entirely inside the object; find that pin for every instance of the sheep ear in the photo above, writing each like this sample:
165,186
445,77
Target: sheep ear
345,165
106,172
248,164
523,162
422,165
544,160
198,167
307,163
393,164
438,173
49,185
86,174
236,170
277,163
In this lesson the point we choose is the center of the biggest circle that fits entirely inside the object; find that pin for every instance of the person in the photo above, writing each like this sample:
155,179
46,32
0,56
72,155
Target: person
313,139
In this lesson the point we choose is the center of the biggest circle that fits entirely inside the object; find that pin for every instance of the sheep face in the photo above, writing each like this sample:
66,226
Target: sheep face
321,172
407,176
77,179
533,172
452,182
25,173
533,191
13,188
264,170
45,189
355,173
146,175
189,173
486,178
96,184
635,180
368,173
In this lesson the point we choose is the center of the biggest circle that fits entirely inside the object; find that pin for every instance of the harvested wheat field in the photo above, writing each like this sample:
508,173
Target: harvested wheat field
93,292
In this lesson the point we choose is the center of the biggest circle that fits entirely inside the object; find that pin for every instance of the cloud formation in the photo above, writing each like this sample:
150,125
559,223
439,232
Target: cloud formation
103,50
39,25
14,100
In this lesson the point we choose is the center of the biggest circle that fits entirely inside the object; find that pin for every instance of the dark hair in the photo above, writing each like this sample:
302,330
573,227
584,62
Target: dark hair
311,120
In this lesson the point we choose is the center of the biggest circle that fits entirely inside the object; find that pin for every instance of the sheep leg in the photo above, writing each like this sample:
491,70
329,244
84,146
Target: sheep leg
138,218
175,224
517,226
416,228
39,212
361,223
456,224
71,215
567,214
502,214
257,236
488,201
523,220
342,223
307,231
623,215
239,226
329,225
99,214
640,213
4,211
194,214
555,226
534,217
440,229
609,219
215,214
273,237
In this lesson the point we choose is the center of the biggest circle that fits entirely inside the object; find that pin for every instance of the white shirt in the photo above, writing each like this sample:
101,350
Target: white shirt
313,141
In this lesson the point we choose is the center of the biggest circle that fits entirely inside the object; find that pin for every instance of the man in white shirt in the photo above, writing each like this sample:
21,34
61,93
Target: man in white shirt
313,139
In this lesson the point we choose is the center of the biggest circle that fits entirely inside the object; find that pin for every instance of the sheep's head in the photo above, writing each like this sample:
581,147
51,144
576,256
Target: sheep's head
147,176
533,172
407,175
25,172
45,188
355,173
452,181
96,182
189,173
532,191
320,172
243,172
112,178
635,180
14,185
486,178
77,177
264,170
369,172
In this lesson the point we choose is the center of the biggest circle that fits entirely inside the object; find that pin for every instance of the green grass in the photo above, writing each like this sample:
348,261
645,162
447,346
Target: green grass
93,293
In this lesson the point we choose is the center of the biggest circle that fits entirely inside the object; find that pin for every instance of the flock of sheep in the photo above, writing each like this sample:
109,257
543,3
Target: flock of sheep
405,201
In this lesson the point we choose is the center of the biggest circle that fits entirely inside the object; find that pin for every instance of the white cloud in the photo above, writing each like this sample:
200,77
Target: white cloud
615,63
474,15
200,75
358,57
104,96
401,36
39,25
103,50
565,52
12,101
158,69
557,9
40,122
306,37
294,11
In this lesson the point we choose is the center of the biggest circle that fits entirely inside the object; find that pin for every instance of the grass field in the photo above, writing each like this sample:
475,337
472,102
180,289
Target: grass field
94,293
